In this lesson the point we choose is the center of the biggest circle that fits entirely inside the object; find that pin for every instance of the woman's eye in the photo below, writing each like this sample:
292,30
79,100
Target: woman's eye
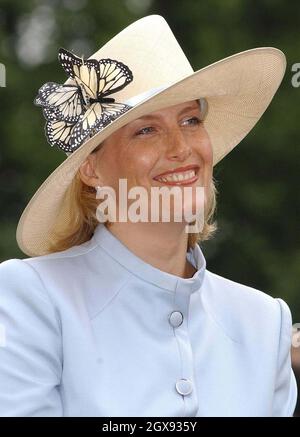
194,121
144,130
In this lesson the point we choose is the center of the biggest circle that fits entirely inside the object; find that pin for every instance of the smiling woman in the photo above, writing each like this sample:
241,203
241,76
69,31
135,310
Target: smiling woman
138,152
124,318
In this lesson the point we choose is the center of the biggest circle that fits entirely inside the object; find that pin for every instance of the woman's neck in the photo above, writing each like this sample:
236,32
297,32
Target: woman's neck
163,245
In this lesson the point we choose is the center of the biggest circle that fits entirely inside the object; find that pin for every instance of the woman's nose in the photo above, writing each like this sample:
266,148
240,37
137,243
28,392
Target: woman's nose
177,145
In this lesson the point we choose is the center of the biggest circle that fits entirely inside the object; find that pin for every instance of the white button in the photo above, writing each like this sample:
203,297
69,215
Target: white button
184,386
175,319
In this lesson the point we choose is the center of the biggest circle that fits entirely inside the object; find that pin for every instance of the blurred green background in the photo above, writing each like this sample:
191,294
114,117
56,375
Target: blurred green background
258,204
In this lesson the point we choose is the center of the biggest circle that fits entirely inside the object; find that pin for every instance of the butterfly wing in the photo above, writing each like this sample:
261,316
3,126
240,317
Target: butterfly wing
58,133
84,72
95,119
62,102
113,76
95,78
114,110
89,123
50,113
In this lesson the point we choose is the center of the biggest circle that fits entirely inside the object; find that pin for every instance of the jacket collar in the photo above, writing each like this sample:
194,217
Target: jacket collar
121,254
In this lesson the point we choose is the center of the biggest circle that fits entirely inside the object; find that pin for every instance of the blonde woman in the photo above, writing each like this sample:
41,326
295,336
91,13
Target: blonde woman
120,317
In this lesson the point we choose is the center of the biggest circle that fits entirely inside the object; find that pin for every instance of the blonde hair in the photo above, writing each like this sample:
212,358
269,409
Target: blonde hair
82,204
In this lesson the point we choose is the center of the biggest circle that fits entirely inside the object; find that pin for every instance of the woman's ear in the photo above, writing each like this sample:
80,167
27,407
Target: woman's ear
88,172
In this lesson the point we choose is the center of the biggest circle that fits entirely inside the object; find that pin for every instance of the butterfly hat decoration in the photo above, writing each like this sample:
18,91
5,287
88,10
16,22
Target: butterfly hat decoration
76,112
140,70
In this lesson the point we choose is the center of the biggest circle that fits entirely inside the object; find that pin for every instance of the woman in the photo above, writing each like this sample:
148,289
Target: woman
113,317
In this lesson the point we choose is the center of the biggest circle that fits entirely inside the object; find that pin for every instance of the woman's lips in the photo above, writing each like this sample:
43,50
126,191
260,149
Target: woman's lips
183,182
179,170
188,182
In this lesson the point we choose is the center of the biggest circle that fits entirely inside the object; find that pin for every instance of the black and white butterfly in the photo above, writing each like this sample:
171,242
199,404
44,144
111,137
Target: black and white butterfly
78,110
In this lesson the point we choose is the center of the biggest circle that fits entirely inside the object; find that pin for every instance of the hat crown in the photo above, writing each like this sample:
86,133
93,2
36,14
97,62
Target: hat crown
150,50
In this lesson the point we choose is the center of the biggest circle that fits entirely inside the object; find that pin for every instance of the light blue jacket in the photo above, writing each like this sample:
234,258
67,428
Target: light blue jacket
96,331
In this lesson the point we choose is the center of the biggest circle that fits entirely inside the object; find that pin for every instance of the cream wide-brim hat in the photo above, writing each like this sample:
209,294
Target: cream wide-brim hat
237,89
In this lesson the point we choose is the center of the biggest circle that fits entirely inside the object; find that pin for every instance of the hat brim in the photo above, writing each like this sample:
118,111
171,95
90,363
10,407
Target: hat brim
238,90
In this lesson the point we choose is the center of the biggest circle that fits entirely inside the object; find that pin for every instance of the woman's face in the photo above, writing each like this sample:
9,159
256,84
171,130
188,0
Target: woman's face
160,142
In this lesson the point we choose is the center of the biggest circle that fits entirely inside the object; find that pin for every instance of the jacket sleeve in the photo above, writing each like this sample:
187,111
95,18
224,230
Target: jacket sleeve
30,344
285,394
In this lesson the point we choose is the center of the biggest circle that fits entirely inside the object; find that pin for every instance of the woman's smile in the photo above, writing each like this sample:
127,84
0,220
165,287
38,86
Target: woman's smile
188,177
